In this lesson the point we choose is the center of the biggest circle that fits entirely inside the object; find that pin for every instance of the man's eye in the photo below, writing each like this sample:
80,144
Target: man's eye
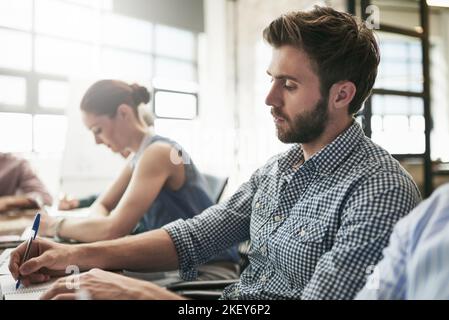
96,131
289,85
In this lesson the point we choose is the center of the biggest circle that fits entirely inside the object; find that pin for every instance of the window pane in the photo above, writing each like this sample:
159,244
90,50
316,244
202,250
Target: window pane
395,123
49,133
396,105
53,94
417,124
400,142
175,43
16,50
126,32
400,134
376,123
13,90
126,65
18,130
175,70
16,14
401,63
64,57
67,20
175,105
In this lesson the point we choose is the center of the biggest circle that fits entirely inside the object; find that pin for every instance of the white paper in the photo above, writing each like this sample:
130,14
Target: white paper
33,292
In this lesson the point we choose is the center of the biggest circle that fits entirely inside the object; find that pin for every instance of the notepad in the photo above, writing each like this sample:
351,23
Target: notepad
33,292
4,261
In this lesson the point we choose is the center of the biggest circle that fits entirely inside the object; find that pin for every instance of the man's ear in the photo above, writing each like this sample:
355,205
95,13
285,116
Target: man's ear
342,93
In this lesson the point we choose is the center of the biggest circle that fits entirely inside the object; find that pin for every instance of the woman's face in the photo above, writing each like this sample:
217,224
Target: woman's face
106,130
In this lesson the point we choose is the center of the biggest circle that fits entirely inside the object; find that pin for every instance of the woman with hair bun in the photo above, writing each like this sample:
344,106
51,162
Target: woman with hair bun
160,184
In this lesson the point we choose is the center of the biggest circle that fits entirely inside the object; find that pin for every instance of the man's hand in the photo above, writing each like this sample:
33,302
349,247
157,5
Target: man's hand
46,258
101,285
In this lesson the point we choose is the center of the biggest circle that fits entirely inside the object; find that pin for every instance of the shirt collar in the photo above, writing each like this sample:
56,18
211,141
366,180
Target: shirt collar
327,159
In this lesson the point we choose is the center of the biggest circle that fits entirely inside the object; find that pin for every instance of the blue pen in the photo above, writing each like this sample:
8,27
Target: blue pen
37,220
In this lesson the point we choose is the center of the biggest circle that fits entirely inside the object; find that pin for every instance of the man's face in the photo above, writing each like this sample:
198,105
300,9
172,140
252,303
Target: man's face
299,111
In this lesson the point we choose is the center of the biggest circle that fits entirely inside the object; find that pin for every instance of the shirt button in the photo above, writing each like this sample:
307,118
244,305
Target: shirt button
257,205
302,232
263,250
277,218
263,279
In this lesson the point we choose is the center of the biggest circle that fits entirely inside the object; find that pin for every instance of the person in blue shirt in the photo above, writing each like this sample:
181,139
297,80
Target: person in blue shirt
415,263
159,184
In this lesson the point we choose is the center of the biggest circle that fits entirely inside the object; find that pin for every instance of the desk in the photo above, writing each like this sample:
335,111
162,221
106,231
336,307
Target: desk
15,222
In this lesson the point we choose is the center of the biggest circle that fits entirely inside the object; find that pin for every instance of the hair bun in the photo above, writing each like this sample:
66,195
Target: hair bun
140,94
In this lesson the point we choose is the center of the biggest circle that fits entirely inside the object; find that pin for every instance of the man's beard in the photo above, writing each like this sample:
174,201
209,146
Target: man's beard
306,127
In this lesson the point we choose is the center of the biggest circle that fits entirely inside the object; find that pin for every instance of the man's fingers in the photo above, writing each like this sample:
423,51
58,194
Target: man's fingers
65,296
38,278
58,288
14,269
14,260
34,264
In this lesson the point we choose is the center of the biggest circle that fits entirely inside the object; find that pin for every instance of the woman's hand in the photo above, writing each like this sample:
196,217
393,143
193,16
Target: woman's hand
48,225
67,203
101,285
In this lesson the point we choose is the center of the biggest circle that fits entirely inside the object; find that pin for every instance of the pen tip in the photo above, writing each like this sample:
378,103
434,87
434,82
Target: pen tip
17,284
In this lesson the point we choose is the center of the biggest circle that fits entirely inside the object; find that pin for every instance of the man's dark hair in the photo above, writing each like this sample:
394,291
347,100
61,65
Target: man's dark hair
339,46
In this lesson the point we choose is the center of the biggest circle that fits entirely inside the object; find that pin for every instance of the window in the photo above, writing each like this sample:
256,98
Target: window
18,53
397,121
51,41
13,91
53,94
397,124
17,127
16,14
175,105
401,64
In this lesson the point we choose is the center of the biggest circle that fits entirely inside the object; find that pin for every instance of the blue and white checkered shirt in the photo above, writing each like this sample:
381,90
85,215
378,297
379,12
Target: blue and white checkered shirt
314,230
415,263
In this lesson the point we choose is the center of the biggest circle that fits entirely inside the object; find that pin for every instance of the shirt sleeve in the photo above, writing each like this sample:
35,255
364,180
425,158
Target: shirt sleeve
388,279
427,270
366,225
30,184
426,267
214,230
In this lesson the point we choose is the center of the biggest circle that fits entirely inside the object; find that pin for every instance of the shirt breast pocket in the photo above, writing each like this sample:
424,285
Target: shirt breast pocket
262,208
300,247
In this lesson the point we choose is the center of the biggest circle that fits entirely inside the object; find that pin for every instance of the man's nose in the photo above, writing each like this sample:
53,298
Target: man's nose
273,98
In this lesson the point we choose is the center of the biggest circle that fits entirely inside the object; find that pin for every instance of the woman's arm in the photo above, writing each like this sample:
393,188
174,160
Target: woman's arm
151,173
107,201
